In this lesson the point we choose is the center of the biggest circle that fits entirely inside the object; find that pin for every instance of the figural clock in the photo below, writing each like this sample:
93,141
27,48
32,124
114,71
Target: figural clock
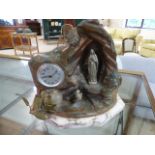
50,75
79,79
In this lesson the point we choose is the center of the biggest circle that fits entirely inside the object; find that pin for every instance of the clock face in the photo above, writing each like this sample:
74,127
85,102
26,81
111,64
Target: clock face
50,75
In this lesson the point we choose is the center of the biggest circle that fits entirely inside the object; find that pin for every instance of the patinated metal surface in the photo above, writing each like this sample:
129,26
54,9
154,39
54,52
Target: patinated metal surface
76,97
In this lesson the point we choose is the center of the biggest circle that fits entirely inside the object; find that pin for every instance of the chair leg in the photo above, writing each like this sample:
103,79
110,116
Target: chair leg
30,53
15,52
120,123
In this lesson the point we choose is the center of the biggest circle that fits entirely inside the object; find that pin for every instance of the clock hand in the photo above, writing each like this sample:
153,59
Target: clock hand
49,76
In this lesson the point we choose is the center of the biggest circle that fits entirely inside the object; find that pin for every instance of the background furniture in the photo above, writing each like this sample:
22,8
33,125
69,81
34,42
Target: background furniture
52,27
34,25
145,42
118,34
140,103
129,45
135,62
138,87
5,36
26,44
147,48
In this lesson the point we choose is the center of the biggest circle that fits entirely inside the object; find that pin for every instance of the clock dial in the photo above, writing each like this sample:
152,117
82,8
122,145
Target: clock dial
50,75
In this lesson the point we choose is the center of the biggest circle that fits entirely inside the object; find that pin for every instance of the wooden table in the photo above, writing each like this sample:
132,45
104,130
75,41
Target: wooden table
139,100
26,42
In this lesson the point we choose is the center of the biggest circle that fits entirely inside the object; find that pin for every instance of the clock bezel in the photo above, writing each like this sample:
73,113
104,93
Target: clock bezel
39,79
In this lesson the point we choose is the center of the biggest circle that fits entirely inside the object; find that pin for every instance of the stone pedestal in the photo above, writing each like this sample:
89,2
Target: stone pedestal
93,121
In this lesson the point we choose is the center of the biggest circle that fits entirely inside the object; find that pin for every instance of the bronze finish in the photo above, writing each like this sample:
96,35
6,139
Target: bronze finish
79,98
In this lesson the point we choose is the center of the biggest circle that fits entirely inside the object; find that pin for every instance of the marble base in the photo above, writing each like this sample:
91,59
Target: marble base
96,121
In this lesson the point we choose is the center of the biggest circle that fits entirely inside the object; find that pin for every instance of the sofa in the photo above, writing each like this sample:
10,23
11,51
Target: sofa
147,47
118,34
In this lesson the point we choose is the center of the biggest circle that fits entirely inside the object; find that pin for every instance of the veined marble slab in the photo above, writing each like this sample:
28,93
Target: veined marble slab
95,121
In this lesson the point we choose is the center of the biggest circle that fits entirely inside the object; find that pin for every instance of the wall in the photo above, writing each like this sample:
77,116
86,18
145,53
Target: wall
114,22
148,33
117,23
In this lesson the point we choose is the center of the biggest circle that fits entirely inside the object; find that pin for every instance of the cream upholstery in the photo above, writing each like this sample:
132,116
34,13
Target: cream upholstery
145,45
147,53
129,45
118,34
118,45
147,48
110,30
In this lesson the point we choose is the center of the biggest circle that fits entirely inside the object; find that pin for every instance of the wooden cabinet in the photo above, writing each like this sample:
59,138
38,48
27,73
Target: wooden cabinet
5,36
52,27
34,25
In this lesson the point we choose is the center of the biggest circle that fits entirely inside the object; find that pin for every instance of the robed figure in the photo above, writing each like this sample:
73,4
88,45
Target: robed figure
92,67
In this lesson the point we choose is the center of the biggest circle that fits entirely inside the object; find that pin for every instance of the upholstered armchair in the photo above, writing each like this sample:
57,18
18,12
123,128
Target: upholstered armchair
147,48
129,45
119,34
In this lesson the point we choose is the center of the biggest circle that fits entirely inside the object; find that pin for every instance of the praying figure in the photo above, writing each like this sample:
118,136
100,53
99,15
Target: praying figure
92,67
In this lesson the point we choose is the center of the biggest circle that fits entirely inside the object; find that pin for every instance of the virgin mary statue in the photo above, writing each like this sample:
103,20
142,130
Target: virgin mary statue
92,67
